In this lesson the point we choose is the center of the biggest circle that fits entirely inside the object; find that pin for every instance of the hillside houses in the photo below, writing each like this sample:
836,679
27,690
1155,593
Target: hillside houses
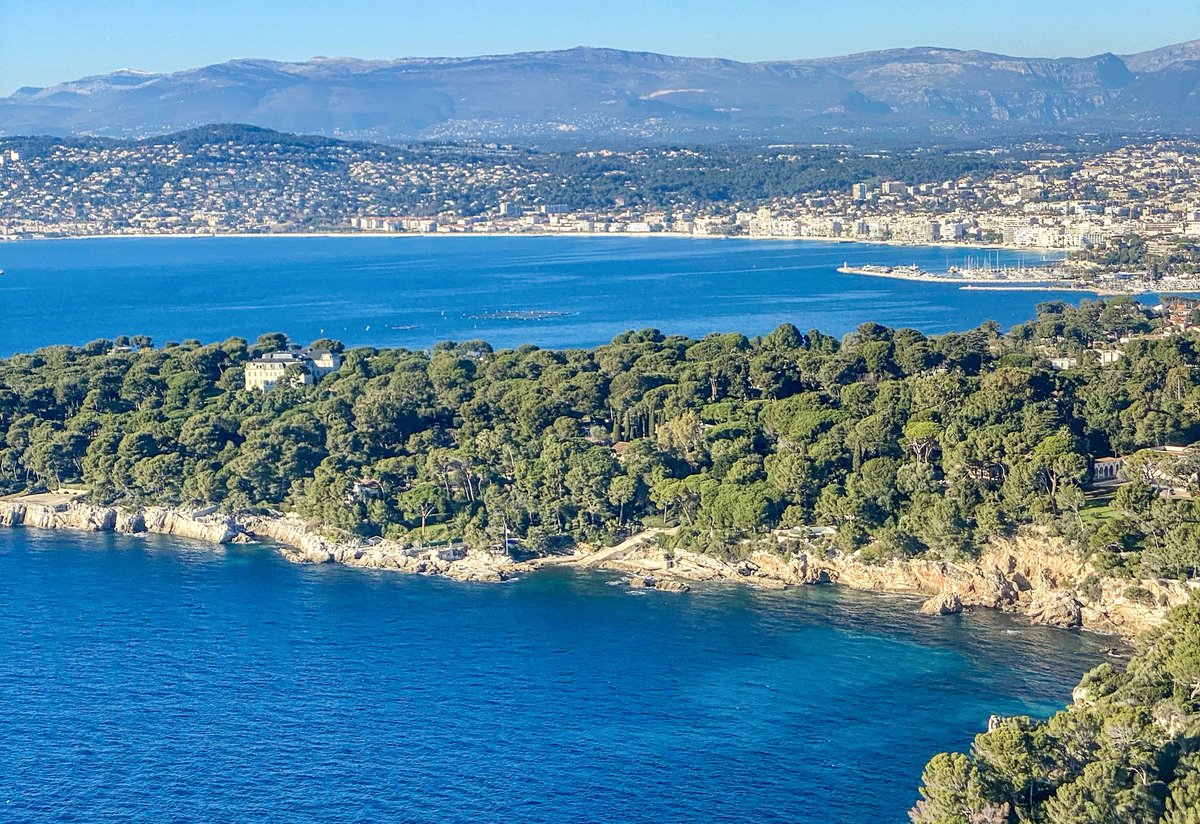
1172,470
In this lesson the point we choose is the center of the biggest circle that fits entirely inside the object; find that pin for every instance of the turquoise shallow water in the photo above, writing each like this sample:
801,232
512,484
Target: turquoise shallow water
413,291
160,680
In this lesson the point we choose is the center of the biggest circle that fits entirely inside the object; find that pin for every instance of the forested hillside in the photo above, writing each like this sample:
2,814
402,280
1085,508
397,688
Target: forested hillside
903,443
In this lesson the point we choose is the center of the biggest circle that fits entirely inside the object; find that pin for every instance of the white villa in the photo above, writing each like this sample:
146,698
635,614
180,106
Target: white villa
266,372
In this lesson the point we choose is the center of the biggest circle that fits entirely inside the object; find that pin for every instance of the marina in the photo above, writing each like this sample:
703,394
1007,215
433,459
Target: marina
1049,278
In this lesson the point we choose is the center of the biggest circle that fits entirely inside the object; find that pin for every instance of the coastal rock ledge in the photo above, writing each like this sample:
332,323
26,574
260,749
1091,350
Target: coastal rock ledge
1040,577
1035,575
199,525
296,540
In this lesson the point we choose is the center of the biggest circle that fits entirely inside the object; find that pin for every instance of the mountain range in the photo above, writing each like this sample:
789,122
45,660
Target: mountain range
590,95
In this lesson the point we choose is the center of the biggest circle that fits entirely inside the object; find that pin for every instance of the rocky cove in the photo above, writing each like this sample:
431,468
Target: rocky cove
1034,575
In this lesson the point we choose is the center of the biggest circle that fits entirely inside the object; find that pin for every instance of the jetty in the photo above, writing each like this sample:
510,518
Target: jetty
1007,278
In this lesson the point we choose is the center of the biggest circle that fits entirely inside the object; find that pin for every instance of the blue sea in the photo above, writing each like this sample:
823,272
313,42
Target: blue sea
415,291
161,680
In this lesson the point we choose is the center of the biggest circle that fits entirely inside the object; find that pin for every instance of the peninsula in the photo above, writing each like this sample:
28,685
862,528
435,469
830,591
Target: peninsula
1048,469
1045,471
790,458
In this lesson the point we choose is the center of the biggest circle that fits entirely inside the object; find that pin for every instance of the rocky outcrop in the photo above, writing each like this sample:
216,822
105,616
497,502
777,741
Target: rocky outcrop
981,584
302,543
78,516
947,603
1125,607
295,539
1040,577
1057,609
130,523
91,518
211,527
660,584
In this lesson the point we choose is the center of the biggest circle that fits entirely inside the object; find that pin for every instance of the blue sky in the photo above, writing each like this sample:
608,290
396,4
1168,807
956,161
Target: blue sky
47,41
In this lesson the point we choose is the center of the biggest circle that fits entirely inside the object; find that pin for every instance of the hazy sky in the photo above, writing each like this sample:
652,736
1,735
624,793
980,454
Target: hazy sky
47,41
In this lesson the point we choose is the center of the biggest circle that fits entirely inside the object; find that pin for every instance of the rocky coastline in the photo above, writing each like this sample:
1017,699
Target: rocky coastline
1037,576
1033,575
294,539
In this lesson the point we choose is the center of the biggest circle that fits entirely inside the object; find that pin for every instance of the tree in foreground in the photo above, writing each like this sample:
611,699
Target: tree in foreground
1126,752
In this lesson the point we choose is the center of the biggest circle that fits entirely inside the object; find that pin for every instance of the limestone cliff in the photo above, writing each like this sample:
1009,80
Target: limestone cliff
1038,576
204,526
300,542
201,526
76,516
295,539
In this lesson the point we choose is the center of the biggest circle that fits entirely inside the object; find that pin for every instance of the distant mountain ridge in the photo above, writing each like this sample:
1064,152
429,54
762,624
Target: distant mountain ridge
587,95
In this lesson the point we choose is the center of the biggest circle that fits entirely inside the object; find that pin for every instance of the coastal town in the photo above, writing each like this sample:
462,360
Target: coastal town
207,184
1067,210
1138,189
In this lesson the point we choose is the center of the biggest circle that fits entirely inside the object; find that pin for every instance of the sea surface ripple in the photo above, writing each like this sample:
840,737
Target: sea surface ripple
161,680
416,291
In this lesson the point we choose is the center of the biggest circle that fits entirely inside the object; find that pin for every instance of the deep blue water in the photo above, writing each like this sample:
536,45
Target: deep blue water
412,291
156,680
160,680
